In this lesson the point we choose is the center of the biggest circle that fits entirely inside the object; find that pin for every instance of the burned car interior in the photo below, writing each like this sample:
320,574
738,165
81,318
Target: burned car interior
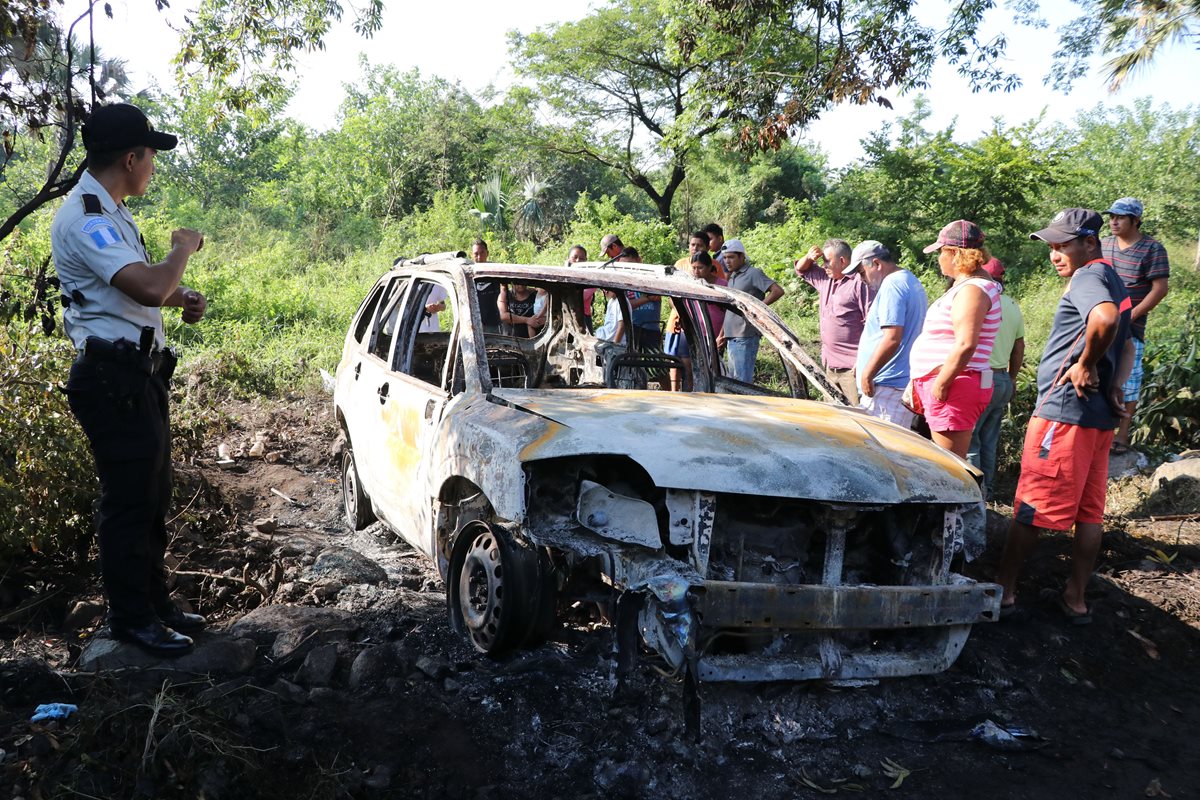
566,353
729,532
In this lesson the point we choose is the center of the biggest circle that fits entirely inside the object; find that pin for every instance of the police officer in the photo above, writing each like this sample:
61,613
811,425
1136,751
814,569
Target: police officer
117,389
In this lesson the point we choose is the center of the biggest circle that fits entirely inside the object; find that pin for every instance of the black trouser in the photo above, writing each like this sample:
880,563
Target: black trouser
124,412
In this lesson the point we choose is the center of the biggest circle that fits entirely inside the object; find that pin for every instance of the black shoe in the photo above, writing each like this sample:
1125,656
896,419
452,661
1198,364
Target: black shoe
154,638
182,621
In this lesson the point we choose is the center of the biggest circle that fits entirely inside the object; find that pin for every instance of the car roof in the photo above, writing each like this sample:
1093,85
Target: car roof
648,278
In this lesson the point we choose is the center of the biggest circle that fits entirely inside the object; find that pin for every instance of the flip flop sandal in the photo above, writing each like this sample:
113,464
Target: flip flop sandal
1119,449
1074,617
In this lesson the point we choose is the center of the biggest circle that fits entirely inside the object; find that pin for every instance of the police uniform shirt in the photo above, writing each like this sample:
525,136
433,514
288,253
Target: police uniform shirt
89,249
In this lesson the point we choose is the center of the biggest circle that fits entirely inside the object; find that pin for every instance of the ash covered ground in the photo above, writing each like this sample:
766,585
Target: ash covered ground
344,678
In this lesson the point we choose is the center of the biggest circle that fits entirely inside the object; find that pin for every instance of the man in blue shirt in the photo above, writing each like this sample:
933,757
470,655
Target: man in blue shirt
893,323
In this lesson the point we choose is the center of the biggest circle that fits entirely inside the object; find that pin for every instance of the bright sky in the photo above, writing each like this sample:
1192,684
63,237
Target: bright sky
466,41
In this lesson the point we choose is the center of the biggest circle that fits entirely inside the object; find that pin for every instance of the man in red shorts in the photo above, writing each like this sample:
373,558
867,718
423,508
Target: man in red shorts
1064,464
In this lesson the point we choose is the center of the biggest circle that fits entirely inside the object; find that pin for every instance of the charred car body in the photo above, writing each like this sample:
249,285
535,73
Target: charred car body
745,533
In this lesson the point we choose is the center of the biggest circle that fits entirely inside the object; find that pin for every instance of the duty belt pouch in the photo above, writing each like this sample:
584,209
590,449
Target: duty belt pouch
166,366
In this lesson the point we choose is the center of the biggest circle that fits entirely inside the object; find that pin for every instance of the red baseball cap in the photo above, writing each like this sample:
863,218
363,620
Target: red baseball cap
960,233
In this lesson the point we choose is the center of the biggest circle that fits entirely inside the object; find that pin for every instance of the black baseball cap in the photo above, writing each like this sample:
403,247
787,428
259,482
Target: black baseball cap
121,125
1068,224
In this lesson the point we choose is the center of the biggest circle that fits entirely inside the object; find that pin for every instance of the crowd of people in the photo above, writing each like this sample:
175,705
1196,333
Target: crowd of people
951,365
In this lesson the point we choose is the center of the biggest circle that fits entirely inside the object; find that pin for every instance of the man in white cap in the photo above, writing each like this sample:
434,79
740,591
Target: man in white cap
1142,264
893,323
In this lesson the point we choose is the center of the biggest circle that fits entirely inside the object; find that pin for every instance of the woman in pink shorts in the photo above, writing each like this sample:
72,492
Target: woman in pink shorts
952,380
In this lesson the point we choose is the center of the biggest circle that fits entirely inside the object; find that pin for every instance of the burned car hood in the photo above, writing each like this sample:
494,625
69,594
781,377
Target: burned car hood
739,444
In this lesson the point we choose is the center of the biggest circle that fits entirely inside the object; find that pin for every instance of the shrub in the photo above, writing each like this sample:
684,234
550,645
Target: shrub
656,241
1168,415
46,468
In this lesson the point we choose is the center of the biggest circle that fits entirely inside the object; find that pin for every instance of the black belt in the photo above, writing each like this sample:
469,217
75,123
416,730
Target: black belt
123,351
840,369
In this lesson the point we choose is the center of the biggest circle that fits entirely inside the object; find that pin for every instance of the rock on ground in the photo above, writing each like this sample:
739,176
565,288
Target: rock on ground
294,630
318,666
212,655
1177,483
344,565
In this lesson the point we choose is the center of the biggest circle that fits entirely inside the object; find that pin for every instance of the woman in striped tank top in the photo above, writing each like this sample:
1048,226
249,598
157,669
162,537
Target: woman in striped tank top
949,361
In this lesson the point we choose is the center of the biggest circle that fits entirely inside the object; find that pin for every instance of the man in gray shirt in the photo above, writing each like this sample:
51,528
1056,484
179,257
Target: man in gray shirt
740,337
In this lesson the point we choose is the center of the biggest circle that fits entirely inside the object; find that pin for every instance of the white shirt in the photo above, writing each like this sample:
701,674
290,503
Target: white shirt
89,249
430,323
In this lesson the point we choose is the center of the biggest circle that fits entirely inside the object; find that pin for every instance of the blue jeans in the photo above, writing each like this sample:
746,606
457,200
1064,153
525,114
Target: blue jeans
740,353
986,437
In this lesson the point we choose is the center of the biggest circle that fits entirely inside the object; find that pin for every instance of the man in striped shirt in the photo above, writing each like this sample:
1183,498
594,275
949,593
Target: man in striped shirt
1142,264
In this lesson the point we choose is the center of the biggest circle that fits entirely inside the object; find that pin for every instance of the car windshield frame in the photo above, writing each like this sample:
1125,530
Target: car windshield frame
663,280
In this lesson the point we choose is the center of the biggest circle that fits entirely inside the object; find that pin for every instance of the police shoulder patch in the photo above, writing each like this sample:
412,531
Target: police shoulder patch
101,232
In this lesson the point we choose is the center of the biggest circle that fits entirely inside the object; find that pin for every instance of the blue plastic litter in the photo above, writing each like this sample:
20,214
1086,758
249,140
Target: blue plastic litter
53,711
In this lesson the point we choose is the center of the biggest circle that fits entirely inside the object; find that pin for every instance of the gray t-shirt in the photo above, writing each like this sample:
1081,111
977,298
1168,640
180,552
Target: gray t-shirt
1095,283
753,281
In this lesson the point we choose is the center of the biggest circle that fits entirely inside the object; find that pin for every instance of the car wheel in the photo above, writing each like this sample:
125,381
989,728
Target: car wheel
502,595
355,502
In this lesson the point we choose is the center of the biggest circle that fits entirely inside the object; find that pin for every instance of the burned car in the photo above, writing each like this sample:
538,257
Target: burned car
741,531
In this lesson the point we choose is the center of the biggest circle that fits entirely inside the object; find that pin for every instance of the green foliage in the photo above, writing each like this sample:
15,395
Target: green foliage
738,191
912,184
40,510
656,241
445,225
401,137
1131,31
776,65
1150,152
1168,414
244,52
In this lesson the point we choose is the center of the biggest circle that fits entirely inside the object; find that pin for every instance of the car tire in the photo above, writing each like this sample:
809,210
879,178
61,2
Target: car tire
501,593
356,504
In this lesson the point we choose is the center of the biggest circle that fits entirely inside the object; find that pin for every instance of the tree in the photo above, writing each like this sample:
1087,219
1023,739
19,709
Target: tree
912,182
1132,32
401,137
740,189
240,53
46,82
642,83
243,52
1151,152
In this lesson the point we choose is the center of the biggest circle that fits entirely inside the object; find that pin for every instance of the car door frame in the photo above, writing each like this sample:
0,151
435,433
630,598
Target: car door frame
410,414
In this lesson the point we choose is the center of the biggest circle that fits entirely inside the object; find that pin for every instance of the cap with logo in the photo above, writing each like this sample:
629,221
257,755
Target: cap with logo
121,125
960,233
867,250
1068,224
1126,207
735,246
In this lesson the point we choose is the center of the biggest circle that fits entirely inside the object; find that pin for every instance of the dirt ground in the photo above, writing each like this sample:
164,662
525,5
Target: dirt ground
1111,710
